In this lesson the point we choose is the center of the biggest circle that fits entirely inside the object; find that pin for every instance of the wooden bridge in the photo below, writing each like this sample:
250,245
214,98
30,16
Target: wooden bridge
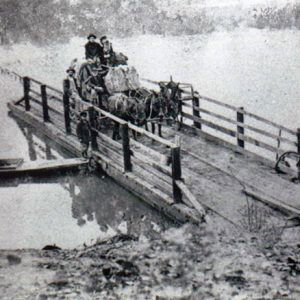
215,161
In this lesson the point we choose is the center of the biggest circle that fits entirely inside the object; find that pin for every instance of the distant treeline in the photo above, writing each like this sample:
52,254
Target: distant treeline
48,21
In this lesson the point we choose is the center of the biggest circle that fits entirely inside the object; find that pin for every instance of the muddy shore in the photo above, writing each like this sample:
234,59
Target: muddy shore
211,261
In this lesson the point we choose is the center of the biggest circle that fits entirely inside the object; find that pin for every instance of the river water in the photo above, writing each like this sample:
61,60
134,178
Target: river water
257,69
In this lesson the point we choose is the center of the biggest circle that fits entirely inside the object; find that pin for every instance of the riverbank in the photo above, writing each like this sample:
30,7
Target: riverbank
207,262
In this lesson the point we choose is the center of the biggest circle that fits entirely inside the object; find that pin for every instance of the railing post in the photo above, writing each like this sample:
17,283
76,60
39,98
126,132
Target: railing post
66,100
298,150
176,171
26,85
240,129
126,148
92,117
45,103
196,112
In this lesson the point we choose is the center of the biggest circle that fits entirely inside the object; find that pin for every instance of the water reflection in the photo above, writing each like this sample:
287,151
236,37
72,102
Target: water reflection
109,205
68,209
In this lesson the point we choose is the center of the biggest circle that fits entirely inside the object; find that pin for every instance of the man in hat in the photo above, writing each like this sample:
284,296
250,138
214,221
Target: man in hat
96,85
83,132
74,87
106,51
92,48
74,93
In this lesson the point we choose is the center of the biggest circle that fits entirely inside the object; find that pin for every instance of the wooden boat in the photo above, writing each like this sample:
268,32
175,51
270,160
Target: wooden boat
16,166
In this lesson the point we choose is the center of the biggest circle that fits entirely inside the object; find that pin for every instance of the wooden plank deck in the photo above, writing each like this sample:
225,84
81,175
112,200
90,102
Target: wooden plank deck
222,178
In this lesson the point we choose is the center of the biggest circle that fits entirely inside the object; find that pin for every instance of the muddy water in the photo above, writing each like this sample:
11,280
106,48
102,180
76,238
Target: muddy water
67,210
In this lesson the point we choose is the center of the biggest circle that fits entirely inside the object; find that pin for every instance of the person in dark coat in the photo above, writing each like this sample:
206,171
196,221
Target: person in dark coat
106,51
96,84
83,131
92,48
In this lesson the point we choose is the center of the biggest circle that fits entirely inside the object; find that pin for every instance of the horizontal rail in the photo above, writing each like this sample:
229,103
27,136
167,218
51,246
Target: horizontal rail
47,86
260,131
157,155
49,107
233,133
151,136
261,119
210,124
160,167
251,115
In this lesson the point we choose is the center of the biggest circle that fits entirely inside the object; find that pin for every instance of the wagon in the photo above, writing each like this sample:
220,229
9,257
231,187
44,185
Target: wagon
118,90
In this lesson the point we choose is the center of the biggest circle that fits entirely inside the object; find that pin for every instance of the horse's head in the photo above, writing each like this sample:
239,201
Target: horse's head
171,92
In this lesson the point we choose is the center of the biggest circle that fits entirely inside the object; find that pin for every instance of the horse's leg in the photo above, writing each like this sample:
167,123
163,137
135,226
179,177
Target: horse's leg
134,133
159,129
159,125
153,127
146,126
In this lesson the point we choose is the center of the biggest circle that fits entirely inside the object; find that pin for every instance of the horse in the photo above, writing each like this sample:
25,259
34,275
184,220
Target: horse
126,108
154,107
172,93
156,112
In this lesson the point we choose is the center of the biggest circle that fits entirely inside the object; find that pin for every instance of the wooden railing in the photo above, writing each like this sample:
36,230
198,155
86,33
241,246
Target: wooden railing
239,116
160,170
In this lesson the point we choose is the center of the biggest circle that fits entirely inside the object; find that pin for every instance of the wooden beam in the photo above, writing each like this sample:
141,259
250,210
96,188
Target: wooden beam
257,143
45,103
298,150
126,148
146,159
151,135
196,113
210,124
66,87
92,119
176,173
26,87
153,177
191,198
258,195
158,157
240,129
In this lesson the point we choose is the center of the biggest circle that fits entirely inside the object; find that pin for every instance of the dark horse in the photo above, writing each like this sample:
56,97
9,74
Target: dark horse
172,94
126,108
161,106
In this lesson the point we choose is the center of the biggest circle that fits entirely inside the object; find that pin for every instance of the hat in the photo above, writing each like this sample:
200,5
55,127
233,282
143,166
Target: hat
104,37
91,35
70,69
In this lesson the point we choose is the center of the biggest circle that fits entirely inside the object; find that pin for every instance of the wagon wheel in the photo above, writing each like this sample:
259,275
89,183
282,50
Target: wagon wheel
283,160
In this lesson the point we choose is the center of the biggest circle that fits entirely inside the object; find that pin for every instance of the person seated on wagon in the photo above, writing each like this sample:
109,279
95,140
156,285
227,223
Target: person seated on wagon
96,85
106,51
92,48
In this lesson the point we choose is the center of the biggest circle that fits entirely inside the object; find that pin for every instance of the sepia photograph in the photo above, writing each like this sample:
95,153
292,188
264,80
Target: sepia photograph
150,149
